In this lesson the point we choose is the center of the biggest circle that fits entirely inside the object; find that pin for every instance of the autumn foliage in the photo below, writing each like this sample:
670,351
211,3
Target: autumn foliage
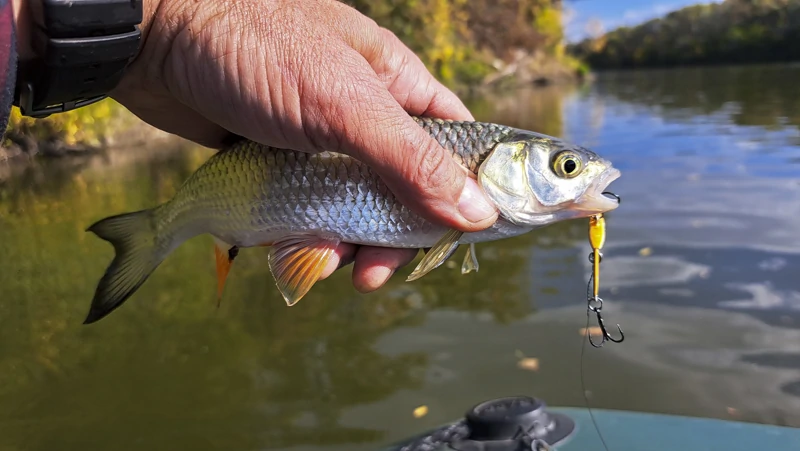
733,31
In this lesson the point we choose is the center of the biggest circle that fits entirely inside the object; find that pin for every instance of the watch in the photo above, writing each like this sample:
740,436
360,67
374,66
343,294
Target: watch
82,49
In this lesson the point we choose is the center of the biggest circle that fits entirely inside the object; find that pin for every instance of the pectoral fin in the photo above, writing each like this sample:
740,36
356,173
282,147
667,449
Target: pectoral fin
297,261
438,254
224,254
470,260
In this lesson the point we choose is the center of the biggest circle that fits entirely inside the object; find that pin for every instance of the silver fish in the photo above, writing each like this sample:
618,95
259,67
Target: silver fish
304,205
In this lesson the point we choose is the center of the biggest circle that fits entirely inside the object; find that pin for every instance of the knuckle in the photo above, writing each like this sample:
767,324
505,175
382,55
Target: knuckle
387,36
365,22
395,64
392,48
350,15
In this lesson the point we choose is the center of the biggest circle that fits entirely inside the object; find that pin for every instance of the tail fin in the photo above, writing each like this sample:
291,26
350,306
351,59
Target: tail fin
137,255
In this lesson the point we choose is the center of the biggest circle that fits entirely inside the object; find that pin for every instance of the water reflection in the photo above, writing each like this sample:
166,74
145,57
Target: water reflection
758,283
711,313
792,388
767,96
775,360
252,374
675,359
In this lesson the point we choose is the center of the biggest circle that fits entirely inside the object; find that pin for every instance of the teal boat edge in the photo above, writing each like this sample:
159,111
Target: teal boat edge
640,431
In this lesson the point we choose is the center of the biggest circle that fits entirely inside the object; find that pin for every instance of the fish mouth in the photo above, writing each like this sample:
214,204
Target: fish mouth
594,201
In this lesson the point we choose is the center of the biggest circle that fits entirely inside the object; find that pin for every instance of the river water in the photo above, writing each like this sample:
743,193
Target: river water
701,269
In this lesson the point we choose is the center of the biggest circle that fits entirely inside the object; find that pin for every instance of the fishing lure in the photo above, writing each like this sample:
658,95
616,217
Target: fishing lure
597,238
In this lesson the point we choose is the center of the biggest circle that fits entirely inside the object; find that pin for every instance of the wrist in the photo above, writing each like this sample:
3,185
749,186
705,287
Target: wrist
22,25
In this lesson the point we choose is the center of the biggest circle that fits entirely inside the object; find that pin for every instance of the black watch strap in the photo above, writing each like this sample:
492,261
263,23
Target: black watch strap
82,48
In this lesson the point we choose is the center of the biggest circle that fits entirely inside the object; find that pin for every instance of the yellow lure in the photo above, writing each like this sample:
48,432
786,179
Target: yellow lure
597,237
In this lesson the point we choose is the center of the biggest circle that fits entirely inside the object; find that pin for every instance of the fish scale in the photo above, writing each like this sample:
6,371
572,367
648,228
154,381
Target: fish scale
251,194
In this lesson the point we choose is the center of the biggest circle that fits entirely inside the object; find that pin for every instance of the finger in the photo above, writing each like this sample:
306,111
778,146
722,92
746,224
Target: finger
344,255
410,82
400,69
363,119
375,265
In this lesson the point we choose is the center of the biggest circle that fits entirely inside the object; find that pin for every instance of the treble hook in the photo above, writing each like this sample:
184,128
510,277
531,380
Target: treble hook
605,335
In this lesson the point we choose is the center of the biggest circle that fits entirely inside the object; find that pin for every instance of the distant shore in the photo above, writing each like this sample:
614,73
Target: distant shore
723,33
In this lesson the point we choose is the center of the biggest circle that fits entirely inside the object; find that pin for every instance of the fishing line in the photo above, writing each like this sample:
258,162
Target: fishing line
583,380
594,303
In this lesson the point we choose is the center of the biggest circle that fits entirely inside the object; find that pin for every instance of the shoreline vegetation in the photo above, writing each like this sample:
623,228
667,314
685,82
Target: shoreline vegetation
481,46
471,46
84,131
725,33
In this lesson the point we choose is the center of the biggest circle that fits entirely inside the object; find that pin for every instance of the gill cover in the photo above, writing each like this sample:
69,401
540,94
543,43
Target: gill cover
503,176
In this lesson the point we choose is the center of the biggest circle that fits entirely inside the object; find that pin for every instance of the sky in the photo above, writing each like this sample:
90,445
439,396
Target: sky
581,16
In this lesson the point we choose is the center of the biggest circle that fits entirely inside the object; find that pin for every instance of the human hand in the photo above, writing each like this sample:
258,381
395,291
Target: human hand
309,75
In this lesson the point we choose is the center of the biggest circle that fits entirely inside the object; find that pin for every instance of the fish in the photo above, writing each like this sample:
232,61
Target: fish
303,205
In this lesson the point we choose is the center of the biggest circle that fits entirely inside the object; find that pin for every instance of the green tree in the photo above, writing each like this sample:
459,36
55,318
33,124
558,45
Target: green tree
734,31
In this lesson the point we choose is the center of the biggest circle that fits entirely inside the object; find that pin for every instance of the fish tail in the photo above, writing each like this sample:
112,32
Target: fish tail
137,254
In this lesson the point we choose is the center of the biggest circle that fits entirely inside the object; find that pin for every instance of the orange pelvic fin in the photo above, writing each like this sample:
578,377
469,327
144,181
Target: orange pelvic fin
224,254
297,261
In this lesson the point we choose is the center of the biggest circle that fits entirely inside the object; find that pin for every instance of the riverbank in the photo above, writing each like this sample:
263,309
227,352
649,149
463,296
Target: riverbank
133,145
538,68
89,130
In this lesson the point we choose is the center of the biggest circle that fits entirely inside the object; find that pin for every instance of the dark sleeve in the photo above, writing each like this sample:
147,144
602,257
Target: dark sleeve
8,62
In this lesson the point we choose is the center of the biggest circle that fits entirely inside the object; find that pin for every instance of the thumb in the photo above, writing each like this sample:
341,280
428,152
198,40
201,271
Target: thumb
372,127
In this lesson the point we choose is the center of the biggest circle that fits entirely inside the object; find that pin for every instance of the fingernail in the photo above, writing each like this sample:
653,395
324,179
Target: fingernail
473,204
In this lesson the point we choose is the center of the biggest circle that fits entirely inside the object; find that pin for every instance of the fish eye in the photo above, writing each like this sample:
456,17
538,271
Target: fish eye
567,164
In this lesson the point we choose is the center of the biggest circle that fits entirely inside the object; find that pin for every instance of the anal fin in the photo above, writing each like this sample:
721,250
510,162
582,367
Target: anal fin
438,254
224,255
470,260
297,261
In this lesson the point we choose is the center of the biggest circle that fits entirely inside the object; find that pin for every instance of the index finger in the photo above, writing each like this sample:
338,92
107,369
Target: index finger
398,67
411,83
